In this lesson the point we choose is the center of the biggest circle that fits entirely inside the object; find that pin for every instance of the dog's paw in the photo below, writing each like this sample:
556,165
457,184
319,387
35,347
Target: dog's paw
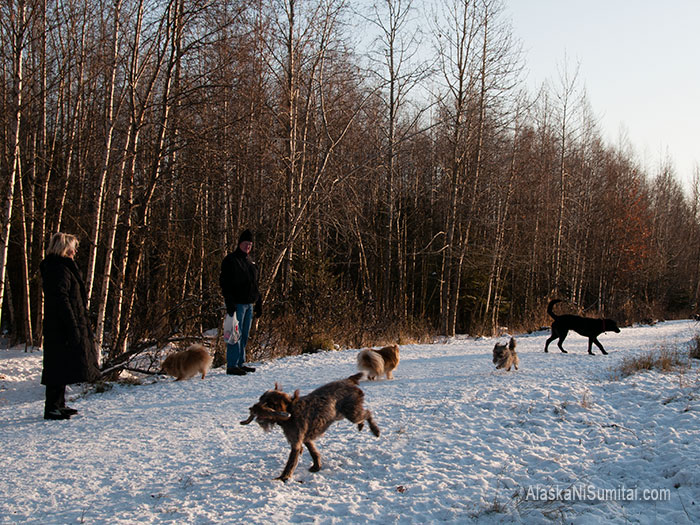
283,478
314,468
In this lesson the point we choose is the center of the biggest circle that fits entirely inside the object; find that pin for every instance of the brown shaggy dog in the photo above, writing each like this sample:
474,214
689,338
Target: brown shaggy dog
377,362
584,326
303,419
185,364
504,355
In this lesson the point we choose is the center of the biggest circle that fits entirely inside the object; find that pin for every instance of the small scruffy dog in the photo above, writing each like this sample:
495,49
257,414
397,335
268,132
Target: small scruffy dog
504,355
303,419
185,364
375,363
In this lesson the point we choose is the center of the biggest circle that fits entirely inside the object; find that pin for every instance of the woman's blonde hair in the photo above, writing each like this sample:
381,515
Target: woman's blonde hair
61,242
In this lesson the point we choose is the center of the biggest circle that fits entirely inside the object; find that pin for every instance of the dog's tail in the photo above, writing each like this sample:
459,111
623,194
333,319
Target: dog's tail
550,306
370,361
356,378
511,343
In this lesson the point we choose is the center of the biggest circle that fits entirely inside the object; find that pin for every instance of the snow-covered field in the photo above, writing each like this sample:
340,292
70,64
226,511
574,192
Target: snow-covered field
560,440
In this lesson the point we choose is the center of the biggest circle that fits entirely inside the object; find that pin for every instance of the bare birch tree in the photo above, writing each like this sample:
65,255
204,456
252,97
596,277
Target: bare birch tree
399,71
14,30
457,58
111,110
569,100
304,39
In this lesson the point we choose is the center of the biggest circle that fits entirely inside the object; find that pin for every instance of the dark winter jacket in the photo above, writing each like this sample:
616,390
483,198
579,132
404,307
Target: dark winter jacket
70,355
239,281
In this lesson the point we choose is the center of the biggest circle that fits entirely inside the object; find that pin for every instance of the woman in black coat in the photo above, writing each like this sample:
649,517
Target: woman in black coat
70,354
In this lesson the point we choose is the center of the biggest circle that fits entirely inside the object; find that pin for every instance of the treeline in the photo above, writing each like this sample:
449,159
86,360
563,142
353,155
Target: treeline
398,184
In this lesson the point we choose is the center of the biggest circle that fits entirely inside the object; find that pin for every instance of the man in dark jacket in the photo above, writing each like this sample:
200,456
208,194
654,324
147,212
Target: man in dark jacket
70,354
239,286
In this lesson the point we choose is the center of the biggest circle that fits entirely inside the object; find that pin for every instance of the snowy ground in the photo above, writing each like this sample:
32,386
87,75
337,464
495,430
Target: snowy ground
560,440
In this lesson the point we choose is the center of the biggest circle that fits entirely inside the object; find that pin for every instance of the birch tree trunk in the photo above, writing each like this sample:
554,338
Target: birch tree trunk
304,45
26,293
498,255
74,115
455,63
18,26
566,107
124,202
158,156
43,175
107,158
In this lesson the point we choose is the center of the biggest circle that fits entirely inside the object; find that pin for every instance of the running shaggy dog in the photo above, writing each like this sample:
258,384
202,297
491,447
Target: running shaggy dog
304,419
505,356
584,326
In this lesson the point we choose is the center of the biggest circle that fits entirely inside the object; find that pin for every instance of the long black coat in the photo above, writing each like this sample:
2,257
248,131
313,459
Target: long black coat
239,281
70,354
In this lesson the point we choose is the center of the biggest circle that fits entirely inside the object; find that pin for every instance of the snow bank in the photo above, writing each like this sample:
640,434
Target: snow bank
560,440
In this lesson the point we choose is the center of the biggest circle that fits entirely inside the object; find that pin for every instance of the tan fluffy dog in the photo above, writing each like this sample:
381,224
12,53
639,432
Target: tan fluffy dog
185,364
378,362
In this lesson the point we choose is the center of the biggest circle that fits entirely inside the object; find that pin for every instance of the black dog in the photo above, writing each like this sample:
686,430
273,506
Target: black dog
584,326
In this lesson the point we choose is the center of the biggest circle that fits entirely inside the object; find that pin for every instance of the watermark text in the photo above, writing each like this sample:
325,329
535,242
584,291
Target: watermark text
589,492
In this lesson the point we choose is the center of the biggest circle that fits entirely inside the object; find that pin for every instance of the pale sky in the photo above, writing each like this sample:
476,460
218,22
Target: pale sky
639,63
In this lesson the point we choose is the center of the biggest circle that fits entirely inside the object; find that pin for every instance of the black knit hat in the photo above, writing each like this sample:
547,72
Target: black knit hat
246,235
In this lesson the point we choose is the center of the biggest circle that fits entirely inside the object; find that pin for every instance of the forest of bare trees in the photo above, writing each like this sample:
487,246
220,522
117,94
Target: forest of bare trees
397,175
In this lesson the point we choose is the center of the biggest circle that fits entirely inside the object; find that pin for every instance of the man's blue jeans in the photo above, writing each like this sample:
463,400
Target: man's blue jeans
235,354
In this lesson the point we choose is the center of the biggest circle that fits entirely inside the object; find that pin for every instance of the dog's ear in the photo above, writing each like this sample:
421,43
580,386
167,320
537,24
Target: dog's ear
277,386
296,395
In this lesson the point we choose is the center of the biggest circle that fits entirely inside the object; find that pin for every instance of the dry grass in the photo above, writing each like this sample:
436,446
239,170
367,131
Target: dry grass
586,401
339,328
695,347
318,343
664,360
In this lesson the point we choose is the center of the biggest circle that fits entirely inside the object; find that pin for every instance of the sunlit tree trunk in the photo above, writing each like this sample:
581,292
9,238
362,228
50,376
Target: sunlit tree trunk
74,101
455,63
107,158
174,32
18,25
27,307
567,105
42,176
398,72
